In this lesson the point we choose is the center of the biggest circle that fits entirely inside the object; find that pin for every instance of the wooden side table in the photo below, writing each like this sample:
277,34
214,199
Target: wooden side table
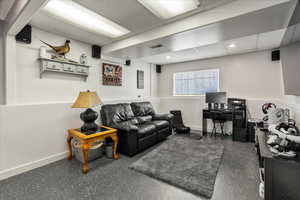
86,140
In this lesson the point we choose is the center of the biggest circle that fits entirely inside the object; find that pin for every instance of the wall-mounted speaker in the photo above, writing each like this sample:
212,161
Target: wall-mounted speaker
96,51
158,68
24,35
275,55
128,62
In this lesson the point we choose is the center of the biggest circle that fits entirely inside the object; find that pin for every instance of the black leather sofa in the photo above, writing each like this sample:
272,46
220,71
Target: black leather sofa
139,127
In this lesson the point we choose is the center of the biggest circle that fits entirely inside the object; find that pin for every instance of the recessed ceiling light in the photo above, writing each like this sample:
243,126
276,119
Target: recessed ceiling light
232,45
169,8
77,15
168,57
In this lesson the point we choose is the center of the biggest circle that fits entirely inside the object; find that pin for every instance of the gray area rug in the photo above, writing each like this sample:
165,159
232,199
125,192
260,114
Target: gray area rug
184,162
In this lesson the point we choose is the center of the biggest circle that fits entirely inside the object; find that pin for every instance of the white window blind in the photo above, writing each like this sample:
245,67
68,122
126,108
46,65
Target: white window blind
196,82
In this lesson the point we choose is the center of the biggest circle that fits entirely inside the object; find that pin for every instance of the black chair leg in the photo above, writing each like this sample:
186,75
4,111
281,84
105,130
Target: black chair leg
214,131
222,128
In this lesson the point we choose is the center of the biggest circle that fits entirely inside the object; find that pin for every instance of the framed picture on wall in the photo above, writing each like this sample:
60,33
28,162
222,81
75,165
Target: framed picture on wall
111,74
140,79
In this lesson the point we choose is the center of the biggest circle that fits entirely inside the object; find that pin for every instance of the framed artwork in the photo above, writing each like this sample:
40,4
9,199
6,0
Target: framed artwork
140,79
111,74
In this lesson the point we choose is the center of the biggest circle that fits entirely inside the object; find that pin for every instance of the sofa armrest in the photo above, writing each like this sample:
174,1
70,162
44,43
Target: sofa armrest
167,117
128,138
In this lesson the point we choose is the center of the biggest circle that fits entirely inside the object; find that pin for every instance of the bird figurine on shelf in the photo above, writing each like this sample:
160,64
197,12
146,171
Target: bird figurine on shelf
60,50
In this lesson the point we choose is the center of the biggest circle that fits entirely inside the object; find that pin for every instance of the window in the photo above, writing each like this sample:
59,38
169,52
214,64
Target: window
196,82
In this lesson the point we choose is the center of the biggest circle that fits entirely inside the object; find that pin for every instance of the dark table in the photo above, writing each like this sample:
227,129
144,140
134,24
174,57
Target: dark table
238,117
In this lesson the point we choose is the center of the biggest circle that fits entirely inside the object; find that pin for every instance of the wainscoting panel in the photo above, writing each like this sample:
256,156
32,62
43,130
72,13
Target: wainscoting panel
34,135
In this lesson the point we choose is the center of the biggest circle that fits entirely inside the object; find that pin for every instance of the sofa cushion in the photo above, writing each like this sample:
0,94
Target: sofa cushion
160,124
142,108
116,113
144,119
145,129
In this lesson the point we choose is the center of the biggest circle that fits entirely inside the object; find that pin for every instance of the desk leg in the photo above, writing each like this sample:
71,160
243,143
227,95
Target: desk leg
69,140
85,150
116,154
204,126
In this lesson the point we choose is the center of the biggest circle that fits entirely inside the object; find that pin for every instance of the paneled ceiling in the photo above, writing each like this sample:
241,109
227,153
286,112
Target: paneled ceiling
128,13
258,42
259,29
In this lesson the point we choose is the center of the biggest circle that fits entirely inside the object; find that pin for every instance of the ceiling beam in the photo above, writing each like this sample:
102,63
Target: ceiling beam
5,6
20,14
240,7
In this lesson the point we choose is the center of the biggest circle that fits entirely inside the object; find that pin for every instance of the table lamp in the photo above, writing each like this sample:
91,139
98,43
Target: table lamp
88,100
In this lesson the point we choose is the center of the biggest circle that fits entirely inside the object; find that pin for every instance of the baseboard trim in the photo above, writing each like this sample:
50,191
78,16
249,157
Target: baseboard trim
7,173
195,128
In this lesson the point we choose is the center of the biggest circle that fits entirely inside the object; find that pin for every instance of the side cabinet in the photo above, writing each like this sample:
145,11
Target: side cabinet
281,176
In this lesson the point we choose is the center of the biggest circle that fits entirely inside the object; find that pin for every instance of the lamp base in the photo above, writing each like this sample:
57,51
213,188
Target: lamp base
88,117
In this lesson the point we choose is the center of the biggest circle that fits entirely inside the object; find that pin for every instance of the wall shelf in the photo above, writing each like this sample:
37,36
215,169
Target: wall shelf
51,65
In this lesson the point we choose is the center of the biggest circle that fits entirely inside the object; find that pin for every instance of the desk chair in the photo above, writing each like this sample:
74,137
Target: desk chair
217,117
178,125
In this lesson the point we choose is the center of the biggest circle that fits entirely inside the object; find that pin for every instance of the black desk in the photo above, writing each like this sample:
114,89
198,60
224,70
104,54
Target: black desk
238,117
281,176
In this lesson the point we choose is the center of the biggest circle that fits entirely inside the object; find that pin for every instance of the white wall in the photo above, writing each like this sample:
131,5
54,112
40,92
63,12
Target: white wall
252,76
2,72
290,69
64,88
33,125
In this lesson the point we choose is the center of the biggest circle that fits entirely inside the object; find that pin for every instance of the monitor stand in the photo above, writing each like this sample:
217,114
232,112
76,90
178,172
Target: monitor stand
209,106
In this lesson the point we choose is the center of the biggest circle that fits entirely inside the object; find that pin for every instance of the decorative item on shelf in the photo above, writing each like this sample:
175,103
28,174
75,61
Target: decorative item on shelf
88,100
62,59
112,74
43,52
60,50
83,59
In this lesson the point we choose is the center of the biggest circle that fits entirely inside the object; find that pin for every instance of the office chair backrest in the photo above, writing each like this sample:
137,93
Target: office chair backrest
177,117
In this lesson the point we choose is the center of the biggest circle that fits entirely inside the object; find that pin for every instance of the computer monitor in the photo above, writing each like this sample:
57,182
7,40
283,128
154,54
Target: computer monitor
215,97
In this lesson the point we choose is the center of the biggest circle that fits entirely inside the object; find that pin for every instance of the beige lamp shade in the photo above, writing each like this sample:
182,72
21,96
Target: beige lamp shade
87,100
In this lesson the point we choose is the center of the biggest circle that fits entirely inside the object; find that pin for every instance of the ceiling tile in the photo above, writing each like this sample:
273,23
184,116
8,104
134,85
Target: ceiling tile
52,25
5,6
208,51
242,45
213,50
128,13
174,57
288,36
296,35
270,40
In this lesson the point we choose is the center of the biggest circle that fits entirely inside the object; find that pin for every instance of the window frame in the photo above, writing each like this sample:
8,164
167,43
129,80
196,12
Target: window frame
195,95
